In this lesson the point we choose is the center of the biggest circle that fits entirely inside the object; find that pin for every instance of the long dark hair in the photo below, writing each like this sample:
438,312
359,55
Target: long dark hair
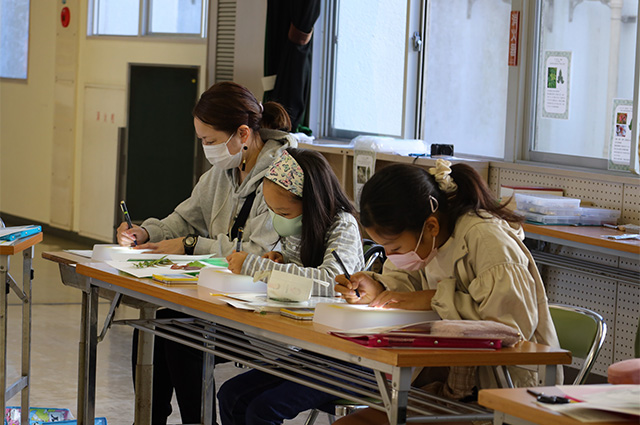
322,199
227,105
397,198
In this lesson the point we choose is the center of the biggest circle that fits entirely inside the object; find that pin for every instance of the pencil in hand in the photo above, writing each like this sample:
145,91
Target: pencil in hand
127,218
344,269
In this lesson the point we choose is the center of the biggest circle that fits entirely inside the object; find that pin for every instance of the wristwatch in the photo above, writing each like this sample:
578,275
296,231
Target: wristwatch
189,243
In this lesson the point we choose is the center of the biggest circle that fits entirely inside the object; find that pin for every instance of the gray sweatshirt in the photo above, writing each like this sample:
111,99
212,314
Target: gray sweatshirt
343,236
216,200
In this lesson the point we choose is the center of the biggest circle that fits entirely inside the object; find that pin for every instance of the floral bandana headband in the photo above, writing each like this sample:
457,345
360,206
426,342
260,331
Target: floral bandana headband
287,173
441,173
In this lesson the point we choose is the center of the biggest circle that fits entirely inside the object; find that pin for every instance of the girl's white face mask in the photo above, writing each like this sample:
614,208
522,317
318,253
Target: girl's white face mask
218,155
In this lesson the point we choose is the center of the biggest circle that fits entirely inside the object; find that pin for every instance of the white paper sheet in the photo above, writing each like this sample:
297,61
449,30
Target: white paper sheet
600,403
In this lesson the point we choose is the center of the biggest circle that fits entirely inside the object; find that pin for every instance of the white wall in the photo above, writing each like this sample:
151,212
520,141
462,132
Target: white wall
26,108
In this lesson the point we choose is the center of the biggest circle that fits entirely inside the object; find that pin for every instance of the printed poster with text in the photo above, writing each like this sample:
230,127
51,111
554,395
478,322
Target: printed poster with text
620,145
556,74
364,164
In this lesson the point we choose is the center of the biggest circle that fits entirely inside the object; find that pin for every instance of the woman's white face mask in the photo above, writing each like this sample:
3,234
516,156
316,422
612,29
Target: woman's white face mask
218,155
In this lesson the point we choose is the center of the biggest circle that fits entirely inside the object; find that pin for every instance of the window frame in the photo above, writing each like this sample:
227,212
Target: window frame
521,92
328,22
26,65
528,154
144,24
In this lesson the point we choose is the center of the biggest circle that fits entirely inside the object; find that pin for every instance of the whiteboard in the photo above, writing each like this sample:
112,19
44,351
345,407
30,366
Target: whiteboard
104,112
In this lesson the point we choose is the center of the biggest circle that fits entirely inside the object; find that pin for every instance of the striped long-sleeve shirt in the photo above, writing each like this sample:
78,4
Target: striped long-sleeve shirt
343,236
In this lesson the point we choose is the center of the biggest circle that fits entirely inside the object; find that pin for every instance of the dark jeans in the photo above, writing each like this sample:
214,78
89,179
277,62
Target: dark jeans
259,398
175,367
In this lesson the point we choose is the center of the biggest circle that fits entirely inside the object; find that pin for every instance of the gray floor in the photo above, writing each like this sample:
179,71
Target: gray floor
54,347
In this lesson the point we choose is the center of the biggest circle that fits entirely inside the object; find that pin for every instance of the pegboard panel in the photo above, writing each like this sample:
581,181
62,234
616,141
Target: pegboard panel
629,264
586,255
626,326
599,295
601,194
630,204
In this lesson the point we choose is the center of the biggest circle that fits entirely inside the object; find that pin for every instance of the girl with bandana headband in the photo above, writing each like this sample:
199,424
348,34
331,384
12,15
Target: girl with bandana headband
313,217
452,248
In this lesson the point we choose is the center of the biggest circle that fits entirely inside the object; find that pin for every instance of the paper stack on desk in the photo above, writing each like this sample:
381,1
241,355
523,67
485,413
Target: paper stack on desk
599,403
261,303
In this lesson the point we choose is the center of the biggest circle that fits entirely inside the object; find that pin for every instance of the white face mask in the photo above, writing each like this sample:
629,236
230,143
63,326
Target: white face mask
218,155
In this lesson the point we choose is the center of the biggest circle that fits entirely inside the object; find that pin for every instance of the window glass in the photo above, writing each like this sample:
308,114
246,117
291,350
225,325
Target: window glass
586,61
466,79
14,38
369,67
116,17
175,16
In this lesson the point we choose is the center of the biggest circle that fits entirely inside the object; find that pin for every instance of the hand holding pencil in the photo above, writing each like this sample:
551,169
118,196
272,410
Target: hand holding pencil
368,289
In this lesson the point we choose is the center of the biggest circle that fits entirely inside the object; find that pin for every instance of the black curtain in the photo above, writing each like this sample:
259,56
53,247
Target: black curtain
288,54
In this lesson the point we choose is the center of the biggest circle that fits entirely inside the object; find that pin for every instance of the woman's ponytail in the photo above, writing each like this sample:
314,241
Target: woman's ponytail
274,116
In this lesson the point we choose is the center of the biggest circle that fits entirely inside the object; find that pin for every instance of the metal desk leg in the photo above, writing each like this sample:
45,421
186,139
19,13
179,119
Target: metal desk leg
547,375
27,256
401,383
208,388
4,270
87,356
144,372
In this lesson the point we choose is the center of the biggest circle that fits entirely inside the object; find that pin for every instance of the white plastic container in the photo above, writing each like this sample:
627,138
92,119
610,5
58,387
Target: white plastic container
225,282
598,216
346,317
548,204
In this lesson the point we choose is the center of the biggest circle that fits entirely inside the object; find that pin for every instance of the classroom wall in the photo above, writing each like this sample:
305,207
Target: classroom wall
27,110
26,123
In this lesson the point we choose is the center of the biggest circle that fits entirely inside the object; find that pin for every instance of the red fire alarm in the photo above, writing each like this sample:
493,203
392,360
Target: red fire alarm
65,17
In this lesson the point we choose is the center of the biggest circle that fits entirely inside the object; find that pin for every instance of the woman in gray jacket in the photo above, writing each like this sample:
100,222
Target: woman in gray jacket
241,138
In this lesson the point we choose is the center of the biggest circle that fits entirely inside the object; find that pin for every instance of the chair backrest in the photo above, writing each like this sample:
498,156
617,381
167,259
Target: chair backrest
580,331
372,252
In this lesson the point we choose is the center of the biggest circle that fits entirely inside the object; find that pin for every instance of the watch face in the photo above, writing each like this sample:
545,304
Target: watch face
189,241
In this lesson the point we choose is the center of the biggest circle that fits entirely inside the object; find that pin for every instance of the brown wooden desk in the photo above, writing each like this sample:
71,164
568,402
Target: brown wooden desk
515,406
586,237
274,331
24,246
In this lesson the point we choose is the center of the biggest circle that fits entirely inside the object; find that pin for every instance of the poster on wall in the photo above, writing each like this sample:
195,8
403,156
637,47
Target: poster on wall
364,163
556,84
621,131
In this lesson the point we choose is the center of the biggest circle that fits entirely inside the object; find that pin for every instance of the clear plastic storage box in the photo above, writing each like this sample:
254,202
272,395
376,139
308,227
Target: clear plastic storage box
550,219
598,216
548,204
